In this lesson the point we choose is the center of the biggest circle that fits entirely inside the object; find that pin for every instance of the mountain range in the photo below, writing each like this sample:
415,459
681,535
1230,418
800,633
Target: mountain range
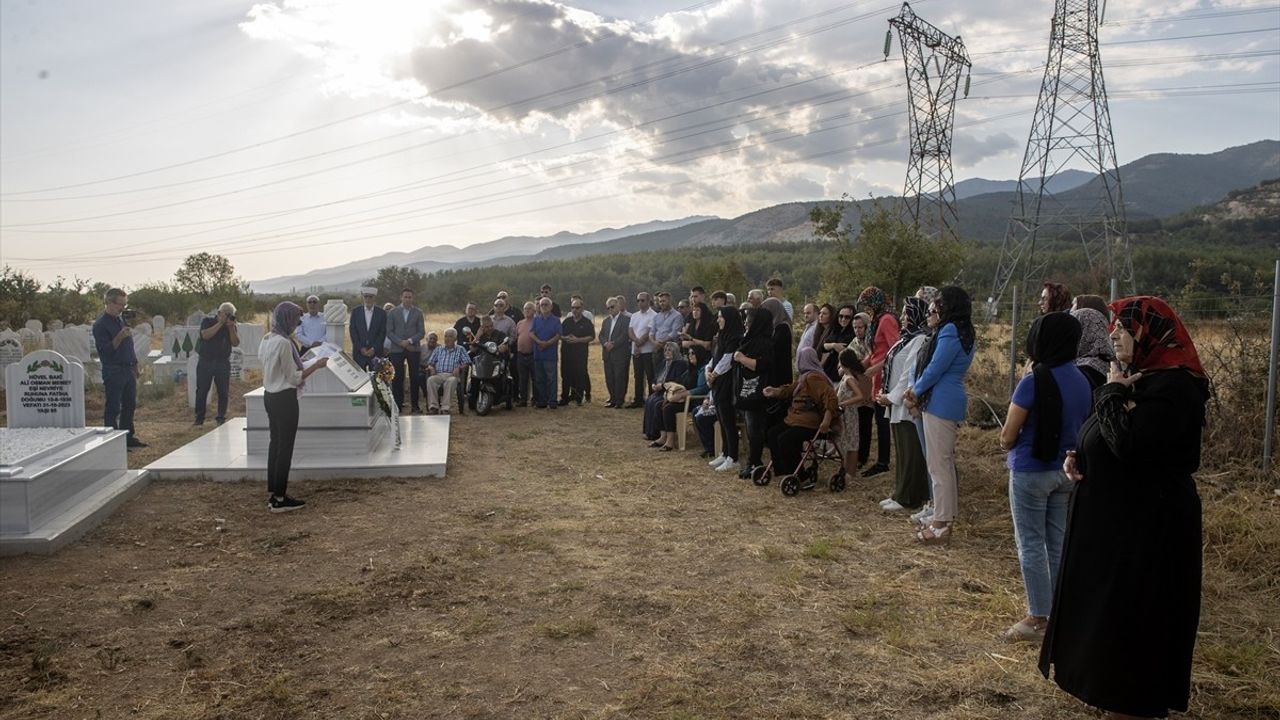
1155,185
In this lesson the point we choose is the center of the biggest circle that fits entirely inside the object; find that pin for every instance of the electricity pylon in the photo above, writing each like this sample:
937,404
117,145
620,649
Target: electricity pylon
934,62
1072,127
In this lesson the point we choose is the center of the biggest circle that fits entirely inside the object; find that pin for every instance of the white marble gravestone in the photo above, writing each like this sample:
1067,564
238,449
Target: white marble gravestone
35,325
58,478
180,341
193,320
45,389
56,325
251,335
157,323
335,321
237,364
74,341
10,348
31,340
142,342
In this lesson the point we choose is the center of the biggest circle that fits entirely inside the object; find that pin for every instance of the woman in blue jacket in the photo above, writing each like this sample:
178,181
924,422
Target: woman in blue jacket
938,392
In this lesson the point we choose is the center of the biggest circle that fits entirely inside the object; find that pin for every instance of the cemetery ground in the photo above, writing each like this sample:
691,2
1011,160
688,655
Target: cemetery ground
563,569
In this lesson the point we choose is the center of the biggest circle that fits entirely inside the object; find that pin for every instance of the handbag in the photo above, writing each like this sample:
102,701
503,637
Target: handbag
674,392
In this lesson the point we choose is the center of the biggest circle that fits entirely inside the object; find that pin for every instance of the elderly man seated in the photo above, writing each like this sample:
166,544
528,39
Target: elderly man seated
445,367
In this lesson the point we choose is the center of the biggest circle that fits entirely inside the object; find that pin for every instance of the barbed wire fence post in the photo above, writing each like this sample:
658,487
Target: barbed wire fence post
1271,372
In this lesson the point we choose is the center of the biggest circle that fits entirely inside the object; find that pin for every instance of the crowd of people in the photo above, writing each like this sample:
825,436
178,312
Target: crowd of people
1107,418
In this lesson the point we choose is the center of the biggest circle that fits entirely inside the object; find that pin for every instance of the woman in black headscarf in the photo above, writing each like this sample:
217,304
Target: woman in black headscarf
699,332
836,340
754,363
722,387
1045,414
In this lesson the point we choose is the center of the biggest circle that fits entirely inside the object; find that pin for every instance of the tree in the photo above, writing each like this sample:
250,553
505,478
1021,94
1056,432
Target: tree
393,279
886,252
208,276
18,294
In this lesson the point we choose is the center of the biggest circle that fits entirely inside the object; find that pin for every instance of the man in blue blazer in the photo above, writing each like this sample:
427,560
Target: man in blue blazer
368,329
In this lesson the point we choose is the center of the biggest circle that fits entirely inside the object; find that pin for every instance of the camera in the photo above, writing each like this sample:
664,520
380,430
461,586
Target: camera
128,313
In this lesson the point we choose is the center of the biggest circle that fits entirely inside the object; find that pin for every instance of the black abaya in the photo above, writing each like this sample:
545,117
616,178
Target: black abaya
1127,606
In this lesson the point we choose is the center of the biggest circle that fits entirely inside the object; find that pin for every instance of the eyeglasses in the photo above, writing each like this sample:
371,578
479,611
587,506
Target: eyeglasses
576,307
846,317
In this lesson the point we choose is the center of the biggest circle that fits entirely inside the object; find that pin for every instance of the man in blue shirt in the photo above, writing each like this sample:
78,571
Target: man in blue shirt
546,338
114,339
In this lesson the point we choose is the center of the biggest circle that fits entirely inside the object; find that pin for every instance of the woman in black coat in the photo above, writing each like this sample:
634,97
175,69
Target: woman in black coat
728,339
1127,606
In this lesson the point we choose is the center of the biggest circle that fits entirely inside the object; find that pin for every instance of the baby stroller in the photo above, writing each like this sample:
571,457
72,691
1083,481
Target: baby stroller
821,448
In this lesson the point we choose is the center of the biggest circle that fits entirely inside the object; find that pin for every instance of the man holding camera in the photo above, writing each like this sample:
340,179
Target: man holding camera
218,334
114,340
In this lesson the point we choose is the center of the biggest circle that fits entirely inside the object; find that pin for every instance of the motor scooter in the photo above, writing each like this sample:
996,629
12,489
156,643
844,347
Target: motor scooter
489,377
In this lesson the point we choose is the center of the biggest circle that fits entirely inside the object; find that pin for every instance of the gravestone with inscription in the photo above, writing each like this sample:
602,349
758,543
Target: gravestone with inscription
157,323
10,348
251,335
45,389
237,364
58,478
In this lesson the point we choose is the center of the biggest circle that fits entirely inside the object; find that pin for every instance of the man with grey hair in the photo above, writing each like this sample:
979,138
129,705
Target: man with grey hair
218,334
445,368
311,333
755,297
640,334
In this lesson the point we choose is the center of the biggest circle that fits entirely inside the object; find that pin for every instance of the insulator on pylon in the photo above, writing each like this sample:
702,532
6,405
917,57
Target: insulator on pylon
888,42
967,78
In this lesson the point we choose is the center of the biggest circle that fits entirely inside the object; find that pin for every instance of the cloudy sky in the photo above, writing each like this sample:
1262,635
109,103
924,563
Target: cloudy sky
300,134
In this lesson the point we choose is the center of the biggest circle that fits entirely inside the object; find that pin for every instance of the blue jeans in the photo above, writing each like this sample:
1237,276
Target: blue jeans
1038,502
121,388
544,382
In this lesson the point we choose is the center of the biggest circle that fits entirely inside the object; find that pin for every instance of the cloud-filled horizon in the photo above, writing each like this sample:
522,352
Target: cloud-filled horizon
300,134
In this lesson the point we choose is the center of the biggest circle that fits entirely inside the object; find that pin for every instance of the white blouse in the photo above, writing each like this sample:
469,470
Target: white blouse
279,372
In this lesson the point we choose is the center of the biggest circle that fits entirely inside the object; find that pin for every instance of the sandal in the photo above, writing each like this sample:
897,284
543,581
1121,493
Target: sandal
931,535
656,444
665,448
1021,631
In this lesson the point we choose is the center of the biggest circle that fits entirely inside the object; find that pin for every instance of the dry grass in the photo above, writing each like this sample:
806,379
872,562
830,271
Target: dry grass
564,570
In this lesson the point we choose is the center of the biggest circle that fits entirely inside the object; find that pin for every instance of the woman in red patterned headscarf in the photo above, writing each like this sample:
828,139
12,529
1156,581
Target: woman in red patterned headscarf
1124,618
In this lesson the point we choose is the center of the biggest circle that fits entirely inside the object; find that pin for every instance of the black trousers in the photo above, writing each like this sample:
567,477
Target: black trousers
757,422
574,379
406,363
883,435
615,373
216,373
282,422
786,444
866,416
728,427
642,365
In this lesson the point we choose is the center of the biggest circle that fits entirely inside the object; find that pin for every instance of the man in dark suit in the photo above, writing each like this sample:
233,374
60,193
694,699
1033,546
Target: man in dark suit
368,329
405,329
616,352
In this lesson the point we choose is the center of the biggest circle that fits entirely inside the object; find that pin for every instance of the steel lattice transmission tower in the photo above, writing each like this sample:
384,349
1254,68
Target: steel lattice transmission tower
1072,128
934,63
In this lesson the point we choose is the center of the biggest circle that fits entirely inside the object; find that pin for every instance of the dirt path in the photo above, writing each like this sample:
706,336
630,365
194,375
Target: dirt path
561,569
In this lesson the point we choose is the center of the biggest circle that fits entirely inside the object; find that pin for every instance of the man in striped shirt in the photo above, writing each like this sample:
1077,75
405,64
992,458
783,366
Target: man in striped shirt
445,368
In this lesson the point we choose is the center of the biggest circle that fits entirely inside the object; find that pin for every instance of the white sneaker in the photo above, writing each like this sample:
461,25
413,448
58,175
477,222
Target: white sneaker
891,507
924,515
719,459
728,466
886,501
